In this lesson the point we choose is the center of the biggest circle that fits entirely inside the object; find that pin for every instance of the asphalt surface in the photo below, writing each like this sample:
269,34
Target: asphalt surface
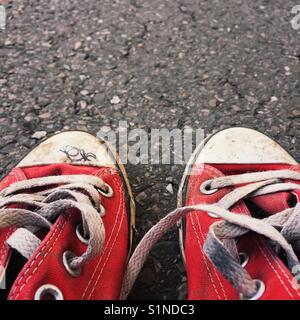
171,63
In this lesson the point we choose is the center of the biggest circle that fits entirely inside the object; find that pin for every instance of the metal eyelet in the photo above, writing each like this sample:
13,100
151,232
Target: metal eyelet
205,188
67,256
108,193
260,291
48,292
244,259
79,235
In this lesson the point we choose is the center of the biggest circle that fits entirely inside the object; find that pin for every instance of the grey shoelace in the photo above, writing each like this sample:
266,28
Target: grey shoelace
81,192
283,228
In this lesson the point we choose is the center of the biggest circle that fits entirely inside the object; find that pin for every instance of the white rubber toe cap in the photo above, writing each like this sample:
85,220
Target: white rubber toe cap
244,146
73,147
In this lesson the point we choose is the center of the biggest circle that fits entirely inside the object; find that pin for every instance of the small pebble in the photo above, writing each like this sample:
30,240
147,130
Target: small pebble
170,188
115,100
273,99
77,45
213,103
141,198
39,135
84,93
82,104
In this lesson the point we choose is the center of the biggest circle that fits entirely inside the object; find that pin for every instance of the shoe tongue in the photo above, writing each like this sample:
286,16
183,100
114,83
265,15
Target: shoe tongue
13,259
276,202
273,203
14,266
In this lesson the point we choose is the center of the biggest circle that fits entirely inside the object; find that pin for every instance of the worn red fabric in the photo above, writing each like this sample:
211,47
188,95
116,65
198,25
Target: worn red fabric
204,280
102,276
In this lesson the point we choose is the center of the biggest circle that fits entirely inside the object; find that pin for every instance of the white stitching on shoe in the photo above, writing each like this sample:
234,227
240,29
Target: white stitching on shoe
110,247
205,259
103,171
14,294
272,267
214,172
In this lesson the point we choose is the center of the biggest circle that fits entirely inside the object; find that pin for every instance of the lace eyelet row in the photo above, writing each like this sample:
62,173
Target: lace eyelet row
205,188
244,259
69,255
51,292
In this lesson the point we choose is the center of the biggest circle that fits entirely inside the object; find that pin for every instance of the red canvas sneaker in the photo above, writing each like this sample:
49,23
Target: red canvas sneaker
66,222
240,220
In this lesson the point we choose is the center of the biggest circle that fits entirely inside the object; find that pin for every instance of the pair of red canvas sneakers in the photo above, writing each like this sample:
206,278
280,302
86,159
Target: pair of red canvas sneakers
67,219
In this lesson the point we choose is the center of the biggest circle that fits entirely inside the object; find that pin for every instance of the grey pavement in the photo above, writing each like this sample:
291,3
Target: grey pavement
171,63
